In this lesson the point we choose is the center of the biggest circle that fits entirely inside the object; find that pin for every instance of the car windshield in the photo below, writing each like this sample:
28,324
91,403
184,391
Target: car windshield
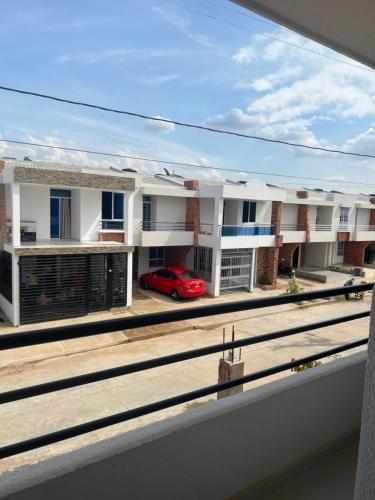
188,275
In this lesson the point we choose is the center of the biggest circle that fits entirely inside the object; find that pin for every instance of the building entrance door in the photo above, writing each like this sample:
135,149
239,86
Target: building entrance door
236,269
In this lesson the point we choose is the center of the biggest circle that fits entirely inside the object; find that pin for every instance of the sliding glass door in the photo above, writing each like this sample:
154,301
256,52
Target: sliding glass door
60,211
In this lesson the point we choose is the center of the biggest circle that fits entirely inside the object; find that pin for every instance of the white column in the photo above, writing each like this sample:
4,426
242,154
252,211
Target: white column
129,217
16,215
365,481
252,269
129,284
216,250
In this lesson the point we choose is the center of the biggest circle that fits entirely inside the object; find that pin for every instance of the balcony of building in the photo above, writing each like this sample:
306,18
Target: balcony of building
293,438
293,233
161,234
47,216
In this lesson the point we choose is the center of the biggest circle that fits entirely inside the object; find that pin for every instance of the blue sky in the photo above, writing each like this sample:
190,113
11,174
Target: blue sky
159,58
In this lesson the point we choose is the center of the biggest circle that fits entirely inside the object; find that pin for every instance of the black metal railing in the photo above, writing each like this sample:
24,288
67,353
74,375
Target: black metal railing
27,338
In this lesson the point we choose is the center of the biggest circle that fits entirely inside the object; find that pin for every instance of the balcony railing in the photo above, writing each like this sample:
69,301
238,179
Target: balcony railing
27,230
166,226
111,225
321,227
365,227
206,229
28,338
292,227
251,230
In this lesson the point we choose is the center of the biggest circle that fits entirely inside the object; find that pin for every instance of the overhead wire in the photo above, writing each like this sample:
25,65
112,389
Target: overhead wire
185,124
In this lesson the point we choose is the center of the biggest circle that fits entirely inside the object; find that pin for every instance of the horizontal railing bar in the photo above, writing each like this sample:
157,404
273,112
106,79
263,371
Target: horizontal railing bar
27,338
88,378
78,430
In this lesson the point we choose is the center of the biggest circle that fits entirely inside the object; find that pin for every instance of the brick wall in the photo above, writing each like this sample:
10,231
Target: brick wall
114,237
303,254
276,216
354,252
267,262
302,194
372,217
303,220
286,253
193,211
343,236
3,215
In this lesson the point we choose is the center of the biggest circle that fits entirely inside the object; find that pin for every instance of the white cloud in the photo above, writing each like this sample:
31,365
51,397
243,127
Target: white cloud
245,55
236,120
120,54
268,82
160,126
156,80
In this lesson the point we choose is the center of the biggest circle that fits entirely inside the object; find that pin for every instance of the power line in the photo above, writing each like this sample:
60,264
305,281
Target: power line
180,164
271,37
254,18
188,125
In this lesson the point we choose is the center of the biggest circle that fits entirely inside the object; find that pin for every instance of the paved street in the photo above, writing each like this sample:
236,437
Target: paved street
43,414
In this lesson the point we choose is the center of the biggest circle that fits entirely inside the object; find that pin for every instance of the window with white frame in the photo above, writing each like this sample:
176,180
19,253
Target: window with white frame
156,257
344,215
248,211
340,248
112,210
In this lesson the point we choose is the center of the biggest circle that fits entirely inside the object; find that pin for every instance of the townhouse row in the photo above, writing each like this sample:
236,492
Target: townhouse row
74,239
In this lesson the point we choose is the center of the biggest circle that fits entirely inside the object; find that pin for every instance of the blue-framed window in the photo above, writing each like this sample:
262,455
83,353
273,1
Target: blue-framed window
340,248
249,211
112,210
156,257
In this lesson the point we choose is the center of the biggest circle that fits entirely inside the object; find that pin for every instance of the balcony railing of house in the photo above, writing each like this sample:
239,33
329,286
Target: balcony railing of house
321,227
344,227
364,227
206,229
166,226
250,230
292,227
27,229
111,225
28,338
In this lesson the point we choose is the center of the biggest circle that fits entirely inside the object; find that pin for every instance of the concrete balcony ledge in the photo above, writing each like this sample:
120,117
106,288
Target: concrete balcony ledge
214,452
322,236
364,235
293,236
166,238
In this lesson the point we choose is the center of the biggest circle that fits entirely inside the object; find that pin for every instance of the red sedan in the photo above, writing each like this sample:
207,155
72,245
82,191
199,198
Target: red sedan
178,282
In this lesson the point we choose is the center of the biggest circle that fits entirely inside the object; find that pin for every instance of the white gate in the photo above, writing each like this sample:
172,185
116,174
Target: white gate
236,269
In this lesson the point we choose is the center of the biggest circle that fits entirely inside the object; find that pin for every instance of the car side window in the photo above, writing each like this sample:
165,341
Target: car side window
161,273
171,275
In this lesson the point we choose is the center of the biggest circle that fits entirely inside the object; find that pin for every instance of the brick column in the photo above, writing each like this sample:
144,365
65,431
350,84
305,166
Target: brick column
303,220
372,217
354,252
193,211
267,262
3,215
276,217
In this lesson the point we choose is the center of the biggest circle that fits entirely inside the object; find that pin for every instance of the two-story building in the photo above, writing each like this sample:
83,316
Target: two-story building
66,236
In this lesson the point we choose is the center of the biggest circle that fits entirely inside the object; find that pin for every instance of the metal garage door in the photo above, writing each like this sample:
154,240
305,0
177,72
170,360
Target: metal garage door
236,268
52,287
66,286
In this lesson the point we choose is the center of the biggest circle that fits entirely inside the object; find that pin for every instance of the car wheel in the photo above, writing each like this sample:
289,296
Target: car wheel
144,285
175,295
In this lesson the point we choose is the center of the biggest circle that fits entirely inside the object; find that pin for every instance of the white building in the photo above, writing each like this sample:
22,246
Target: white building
74,238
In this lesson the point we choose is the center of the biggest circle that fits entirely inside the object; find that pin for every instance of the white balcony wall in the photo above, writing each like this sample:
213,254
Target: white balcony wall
168,209
166,238
322,236
289,214
76,211
207,207
8,204
91,213
35,206
137,216
313,212
363,216
247,241
293,236
323,216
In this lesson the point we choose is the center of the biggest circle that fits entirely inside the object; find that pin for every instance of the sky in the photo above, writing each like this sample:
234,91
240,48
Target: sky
207,62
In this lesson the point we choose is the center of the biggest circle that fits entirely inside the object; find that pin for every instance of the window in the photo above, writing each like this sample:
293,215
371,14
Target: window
112,210
188,275
248,211
147,213
157,257
60,213
344,215
340,248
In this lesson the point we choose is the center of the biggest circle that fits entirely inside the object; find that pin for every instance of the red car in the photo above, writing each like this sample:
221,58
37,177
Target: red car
178,282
